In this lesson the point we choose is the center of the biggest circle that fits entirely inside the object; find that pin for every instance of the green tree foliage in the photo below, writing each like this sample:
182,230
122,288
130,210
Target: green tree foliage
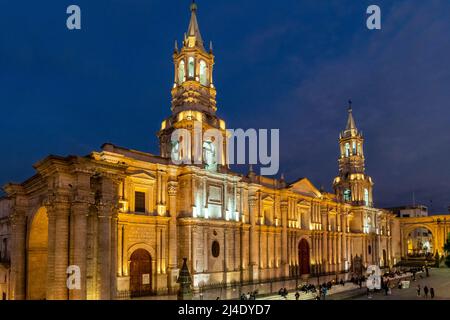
447,250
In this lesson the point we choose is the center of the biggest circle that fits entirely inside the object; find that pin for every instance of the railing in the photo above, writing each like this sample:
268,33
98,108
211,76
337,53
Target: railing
127,294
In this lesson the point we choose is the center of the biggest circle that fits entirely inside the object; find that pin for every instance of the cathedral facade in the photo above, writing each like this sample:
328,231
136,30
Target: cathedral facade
125,219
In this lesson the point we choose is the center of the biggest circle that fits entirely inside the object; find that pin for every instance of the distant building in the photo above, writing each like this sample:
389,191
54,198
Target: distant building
414,211
419,242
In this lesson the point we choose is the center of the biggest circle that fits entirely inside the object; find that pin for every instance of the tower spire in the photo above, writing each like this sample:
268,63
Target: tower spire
352,185
194,37
351,121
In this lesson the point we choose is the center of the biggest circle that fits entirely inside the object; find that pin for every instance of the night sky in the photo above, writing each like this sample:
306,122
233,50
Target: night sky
286,64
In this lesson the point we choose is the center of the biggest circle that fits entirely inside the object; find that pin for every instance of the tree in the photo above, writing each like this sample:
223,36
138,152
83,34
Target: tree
437,259
447,250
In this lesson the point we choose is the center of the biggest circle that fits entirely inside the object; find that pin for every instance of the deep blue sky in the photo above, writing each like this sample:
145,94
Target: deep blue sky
279,64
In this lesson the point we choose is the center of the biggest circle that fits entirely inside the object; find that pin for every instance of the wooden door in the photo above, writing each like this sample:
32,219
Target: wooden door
140,273
303,257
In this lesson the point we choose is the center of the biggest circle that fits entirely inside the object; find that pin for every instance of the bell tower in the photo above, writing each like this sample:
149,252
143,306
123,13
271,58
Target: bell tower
352,185
193,103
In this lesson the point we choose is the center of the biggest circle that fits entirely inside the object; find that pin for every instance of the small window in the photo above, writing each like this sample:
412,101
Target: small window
347,195
347,149
370,249
203,73
139,202
215,250
366,197
191,67
354,147
181,72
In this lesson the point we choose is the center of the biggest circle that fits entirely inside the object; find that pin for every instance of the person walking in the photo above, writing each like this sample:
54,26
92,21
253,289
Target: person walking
432,293
297,295
425,290
418,290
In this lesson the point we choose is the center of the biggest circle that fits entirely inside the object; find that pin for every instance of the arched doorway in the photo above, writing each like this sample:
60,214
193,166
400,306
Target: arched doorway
140,273
303,257
420,243
37,256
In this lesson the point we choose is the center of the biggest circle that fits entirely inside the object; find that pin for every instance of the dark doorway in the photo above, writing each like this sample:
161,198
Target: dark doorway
303,257
140,273
385,262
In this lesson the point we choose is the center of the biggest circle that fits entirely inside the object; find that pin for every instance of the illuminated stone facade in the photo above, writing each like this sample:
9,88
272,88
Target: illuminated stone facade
128,218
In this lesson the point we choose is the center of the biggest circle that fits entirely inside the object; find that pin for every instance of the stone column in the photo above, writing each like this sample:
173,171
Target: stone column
173,270
325,252
104,251
51,252
106,237
378,249
120,250
62,213
113,249
18,271
226,262
284,238
253,239
80,211
339,251
348,250
321,250
364,249
334,249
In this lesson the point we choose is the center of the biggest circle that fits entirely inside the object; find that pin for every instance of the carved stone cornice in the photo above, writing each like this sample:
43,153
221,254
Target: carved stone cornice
252,201
172,188
17,219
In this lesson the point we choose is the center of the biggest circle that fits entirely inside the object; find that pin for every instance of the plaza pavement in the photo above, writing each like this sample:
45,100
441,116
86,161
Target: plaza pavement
439,279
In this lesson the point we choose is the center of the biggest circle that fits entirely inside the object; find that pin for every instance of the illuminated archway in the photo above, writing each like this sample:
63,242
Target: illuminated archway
420,242
37,256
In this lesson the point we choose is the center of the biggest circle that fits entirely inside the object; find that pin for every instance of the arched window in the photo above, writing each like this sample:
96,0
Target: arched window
354,148
347,149
347,195
359,149
203,73
209,155
181,72
191,67
366,197
215,249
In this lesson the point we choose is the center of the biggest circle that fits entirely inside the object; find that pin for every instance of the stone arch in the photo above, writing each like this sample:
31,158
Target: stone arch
141,273
152,252
141,245
409,228
37,253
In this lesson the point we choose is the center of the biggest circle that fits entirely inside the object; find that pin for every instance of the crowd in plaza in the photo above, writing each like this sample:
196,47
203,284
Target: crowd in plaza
249,295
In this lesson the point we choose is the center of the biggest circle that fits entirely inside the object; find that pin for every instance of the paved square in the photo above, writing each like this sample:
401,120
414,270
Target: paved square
439,279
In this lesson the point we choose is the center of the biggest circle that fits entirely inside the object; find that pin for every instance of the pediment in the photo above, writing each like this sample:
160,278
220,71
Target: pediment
305,187
268,199
303,203
142,174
